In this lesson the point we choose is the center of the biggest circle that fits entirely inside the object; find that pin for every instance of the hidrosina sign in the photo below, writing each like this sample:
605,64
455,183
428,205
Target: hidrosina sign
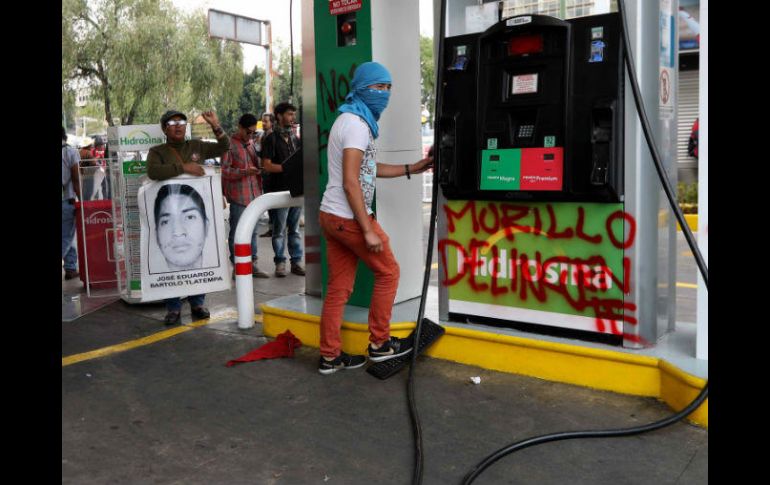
134,138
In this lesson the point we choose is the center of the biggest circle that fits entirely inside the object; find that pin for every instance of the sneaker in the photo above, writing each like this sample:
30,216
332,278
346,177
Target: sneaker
297,269
343,361
172,318
70,274
258,273
395,347
280,269
200,312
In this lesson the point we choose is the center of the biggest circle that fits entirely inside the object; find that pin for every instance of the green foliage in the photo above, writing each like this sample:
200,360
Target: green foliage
252,99
687,195
282,79
144,56
427,76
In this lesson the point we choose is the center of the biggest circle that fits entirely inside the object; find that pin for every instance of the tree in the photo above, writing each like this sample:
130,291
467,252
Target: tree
428,77
282,81
252,98
144,56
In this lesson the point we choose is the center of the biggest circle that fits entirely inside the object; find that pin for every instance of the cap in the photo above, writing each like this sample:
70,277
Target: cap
85,142
170,114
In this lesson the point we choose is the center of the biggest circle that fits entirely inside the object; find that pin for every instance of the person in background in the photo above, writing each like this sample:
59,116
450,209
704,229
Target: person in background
277,147
241,183
70,161
178,156
268,121
692,141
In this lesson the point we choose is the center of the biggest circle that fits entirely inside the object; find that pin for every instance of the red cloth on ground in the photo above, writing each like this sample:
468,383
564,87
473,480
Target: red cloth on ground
283,346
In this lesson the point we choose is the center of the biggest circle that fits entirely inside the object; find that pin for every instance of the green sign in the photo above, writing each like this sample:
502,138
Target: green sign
492,144
500,169
505,259
134,167
549,142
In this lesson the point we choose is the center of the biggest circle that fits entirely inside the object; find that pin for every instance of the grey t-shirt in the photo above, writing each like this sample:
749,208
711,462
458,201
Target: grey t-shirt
349,131
69,158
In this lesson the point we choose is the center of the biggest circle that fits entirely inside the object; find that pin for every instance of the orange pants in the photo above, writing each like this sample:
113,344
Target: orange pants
345,245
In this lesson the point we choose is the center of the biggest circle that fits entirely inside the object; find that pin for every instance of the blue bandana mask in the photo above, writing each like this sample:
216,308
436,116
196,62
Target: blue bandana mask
366,102
375,100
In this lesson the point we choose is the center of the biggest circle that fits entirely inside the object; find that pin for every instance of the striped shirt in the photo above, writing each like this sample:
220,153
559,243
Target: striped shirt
237,186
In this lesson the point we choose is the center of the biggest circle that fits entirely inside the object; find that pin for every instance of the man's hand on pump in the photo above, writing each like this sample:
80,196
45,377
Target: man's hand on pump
421,166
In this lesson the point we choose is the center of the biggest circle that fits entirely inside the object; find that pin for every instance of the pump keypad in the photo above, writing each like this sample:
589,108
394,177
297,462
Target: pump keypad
526,131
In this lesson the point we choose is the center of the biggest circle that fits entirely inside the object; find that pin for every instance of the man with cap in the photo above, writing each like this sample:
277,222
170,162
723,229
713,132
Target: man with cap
178,156
350,227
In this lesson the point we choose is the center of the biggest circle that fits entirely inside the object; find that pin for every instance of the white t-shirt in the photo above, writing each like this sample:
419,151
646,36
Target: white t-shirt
349,131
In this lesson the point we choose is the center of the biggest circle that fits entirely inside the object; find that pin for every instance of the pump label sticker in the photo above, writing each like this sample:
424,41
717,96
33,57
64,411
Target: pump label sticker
519,21
524,84
542,168
500,169
522,169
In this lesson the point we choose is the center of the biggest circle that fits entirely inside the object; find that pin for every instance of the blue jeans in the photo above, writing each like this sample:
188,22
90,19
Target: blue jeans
236,211
175,304
69,251
283,218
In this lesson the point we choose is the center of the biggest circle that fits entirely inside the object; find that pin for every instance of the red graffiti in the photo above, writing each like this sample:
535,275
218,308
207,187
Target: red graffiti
581,282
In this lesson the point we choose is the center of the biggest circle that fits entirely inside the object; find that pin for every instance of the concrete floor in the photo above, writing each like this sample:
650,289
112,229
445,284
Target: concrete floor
172,413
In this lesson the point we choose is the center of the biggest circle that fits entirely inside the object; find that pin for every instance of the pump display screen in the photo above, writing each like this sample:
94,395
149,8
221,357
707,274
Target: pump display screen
522,45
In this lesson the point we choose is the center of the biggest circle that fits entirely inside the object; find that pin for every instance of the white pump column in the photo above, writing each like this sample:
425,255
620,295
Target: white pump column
395,41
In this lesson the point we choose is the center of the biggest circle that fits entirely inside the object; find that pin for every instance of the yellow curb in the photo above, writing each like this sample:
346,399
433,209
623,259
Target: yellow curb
594,368
150,339
692,222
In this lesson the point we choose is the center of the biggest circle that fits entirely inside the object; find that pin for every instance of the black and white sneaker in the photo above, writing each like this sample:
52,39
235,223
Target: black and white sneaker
395,347
343,361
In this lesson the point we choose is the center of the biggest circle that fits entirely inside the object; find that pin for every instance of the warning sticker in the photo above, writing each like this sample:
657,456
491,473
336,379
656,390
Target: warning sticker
337,7
524,84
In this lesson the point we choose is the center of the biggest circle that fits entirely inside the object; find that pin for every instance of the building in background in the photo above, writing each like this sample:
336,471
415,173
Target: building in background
687,96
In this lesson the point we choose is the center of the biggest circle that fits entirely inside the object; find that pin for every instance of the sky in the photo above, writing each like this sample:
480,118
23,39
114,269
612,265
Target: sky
277,12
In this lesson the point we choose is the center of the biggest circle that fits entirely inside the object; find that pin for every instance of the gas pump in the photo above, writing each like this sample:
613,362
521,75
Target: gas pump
538,235
533,110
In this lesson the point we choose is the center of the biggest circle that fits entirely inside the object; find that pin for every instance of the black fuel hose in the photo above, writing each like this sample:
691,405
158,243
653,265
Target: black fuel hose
703,395
413,415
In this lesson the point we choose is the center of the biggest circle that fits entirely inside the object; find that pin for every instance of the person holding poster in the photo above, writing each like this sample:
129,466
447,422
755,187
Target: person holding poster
179,207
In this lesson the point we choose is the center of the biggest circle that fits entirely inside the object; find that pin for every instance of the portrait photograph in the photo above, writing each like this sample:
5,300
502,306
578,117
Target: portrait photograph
182,226
182,237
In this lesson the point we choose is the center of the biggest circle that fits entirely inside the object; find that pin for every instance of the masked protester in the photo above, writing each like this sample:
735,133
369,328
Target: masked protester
350,227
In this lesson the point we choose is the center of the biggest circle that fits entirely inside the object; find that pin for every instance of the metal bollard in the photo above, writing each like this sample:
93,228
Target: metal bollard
244,285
